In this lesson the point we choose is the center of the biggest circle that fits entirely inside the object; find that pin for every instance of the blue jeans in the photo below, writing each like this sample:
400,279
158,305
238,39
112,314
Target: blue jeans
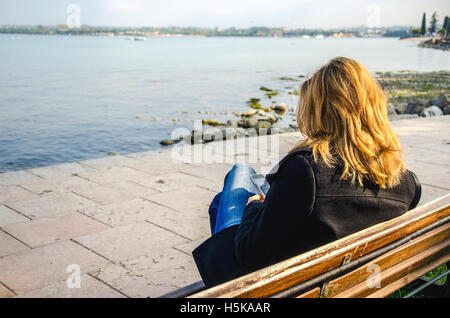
228,206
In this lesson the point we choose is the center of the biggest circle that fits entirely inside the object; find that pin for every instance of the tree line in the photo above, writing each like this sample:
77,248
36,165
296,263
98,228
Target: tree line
433,26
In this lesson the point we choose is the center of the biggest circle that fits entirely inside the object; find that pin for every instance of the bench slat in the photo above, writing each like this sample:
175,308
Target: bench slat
389,259
409,278
418,264
313,293
278,277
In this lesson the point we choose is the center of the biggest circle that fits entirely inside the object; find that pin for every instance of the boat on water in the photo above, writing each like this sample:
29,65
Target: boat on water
136,38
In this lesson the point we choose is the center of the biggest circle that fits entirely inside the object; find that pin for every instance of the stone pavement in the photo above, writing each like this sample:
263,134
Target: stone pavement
125,226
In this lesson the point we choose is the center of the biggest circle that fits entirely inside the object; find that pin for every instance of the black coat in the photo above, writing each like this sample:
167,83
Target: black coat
307,206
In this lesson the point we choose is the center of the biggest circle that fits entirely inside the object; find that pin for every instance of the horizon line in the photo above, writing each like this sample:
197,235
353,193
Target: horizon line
216,27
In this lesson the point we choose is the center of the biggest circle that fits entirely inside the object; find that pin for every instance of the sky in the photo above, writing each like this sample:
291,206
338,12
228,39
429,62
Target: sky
224,13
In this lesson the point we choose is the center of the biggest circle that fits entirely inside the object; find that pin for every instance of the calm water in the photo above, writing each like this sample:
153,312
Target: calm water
68,99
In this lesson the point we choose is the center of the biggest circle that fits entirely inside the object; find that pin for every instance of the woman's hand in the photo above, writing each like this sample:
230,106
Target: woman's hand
255,197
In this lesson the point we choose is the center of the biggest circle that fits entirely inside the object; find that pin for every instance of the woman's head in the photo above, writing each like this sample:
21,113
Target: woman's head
342,113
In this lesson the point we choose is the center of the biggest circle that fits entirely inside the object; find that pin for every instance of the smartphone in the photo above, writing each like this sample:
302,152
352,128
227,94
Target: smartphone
260,182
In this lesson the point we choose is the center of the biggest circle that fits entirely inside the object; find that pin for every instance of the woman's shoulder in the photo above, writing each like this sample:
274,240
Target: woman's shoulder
296,161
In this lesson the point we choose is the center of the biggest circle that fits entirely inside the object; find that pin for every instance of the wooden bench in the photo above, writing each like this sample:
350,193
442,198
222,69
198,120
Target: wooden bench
371,263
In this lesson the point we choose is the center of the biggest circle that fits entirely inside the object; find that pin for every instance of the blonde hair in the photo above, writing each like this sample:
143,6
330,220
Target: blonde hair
342,113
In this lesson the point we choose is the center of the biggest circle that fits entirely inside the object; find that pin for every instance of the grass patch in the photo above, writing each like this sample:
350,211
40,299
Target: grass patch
402,292
404,85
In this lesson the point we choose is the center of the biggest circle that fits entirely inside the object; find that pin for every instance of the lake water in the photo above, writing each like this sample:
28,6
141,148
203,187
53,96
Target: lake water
68,99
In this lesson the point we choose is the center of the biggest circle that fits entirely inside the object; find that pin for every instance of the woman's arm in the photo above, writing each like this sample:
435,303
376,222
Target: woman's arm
268,226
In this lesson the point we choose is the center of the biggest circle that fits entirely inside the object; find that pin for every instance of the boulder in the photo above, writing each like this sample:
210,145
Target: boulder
168,142
262,124
447,110
416,106
196,137
400,108
280,108
443,100
232,123
431,112
436,102
251,112
240,132
277,128
228,133
212,122
270,117
248,122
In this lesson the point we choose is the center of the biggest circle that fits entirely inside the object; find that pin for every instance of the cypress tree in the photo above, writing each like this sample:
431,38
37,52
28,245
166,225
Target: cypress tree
433,22
447,29
423,29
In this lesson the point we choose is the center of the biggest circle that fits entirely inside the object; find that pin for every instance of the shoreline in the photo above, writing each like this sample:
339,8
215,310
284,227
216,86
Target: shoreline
410,94
431,42
271,109
398,119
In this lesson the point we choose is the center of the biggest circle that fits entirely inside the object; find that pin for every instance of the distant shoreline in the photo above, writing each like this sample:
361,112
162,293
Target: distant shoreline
174,31
197,36
417,38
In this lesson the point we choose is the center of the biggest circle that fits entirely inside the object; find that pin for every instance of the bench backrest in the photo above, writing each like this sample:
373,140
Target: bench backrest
405,262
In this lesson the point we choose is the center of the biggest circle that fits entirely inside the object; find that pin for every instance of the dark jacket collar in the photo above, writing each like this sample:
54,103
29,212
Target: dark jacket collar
300,151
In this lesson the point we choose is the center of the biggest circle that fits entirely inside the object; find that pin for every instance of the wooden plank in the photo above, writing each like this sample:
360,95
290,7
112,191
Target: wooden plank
438,253
402,282
278,277
389,259
313,293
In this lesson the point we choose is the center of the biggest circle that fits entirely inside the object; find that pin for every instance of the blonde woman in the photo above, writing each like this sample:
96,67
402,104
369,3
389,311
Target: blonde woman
347,174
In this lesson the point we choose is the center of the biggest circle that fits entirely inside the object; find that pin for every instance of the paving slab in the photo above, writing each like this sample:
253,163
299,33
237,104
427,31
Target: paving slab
13,193
47,230
43,266
58,185
184,199
103,194
169,182
430,193
89,288
127,212
8,216
5,292
128,241
190,223
61,170
115,174
10,245
430,174
102,164
150,275
18,177
133,189
51,204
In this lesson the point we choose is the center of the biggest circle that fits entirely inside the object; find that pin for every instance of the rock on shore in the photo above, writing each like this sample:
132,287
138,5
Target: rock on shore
441,44
410,94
